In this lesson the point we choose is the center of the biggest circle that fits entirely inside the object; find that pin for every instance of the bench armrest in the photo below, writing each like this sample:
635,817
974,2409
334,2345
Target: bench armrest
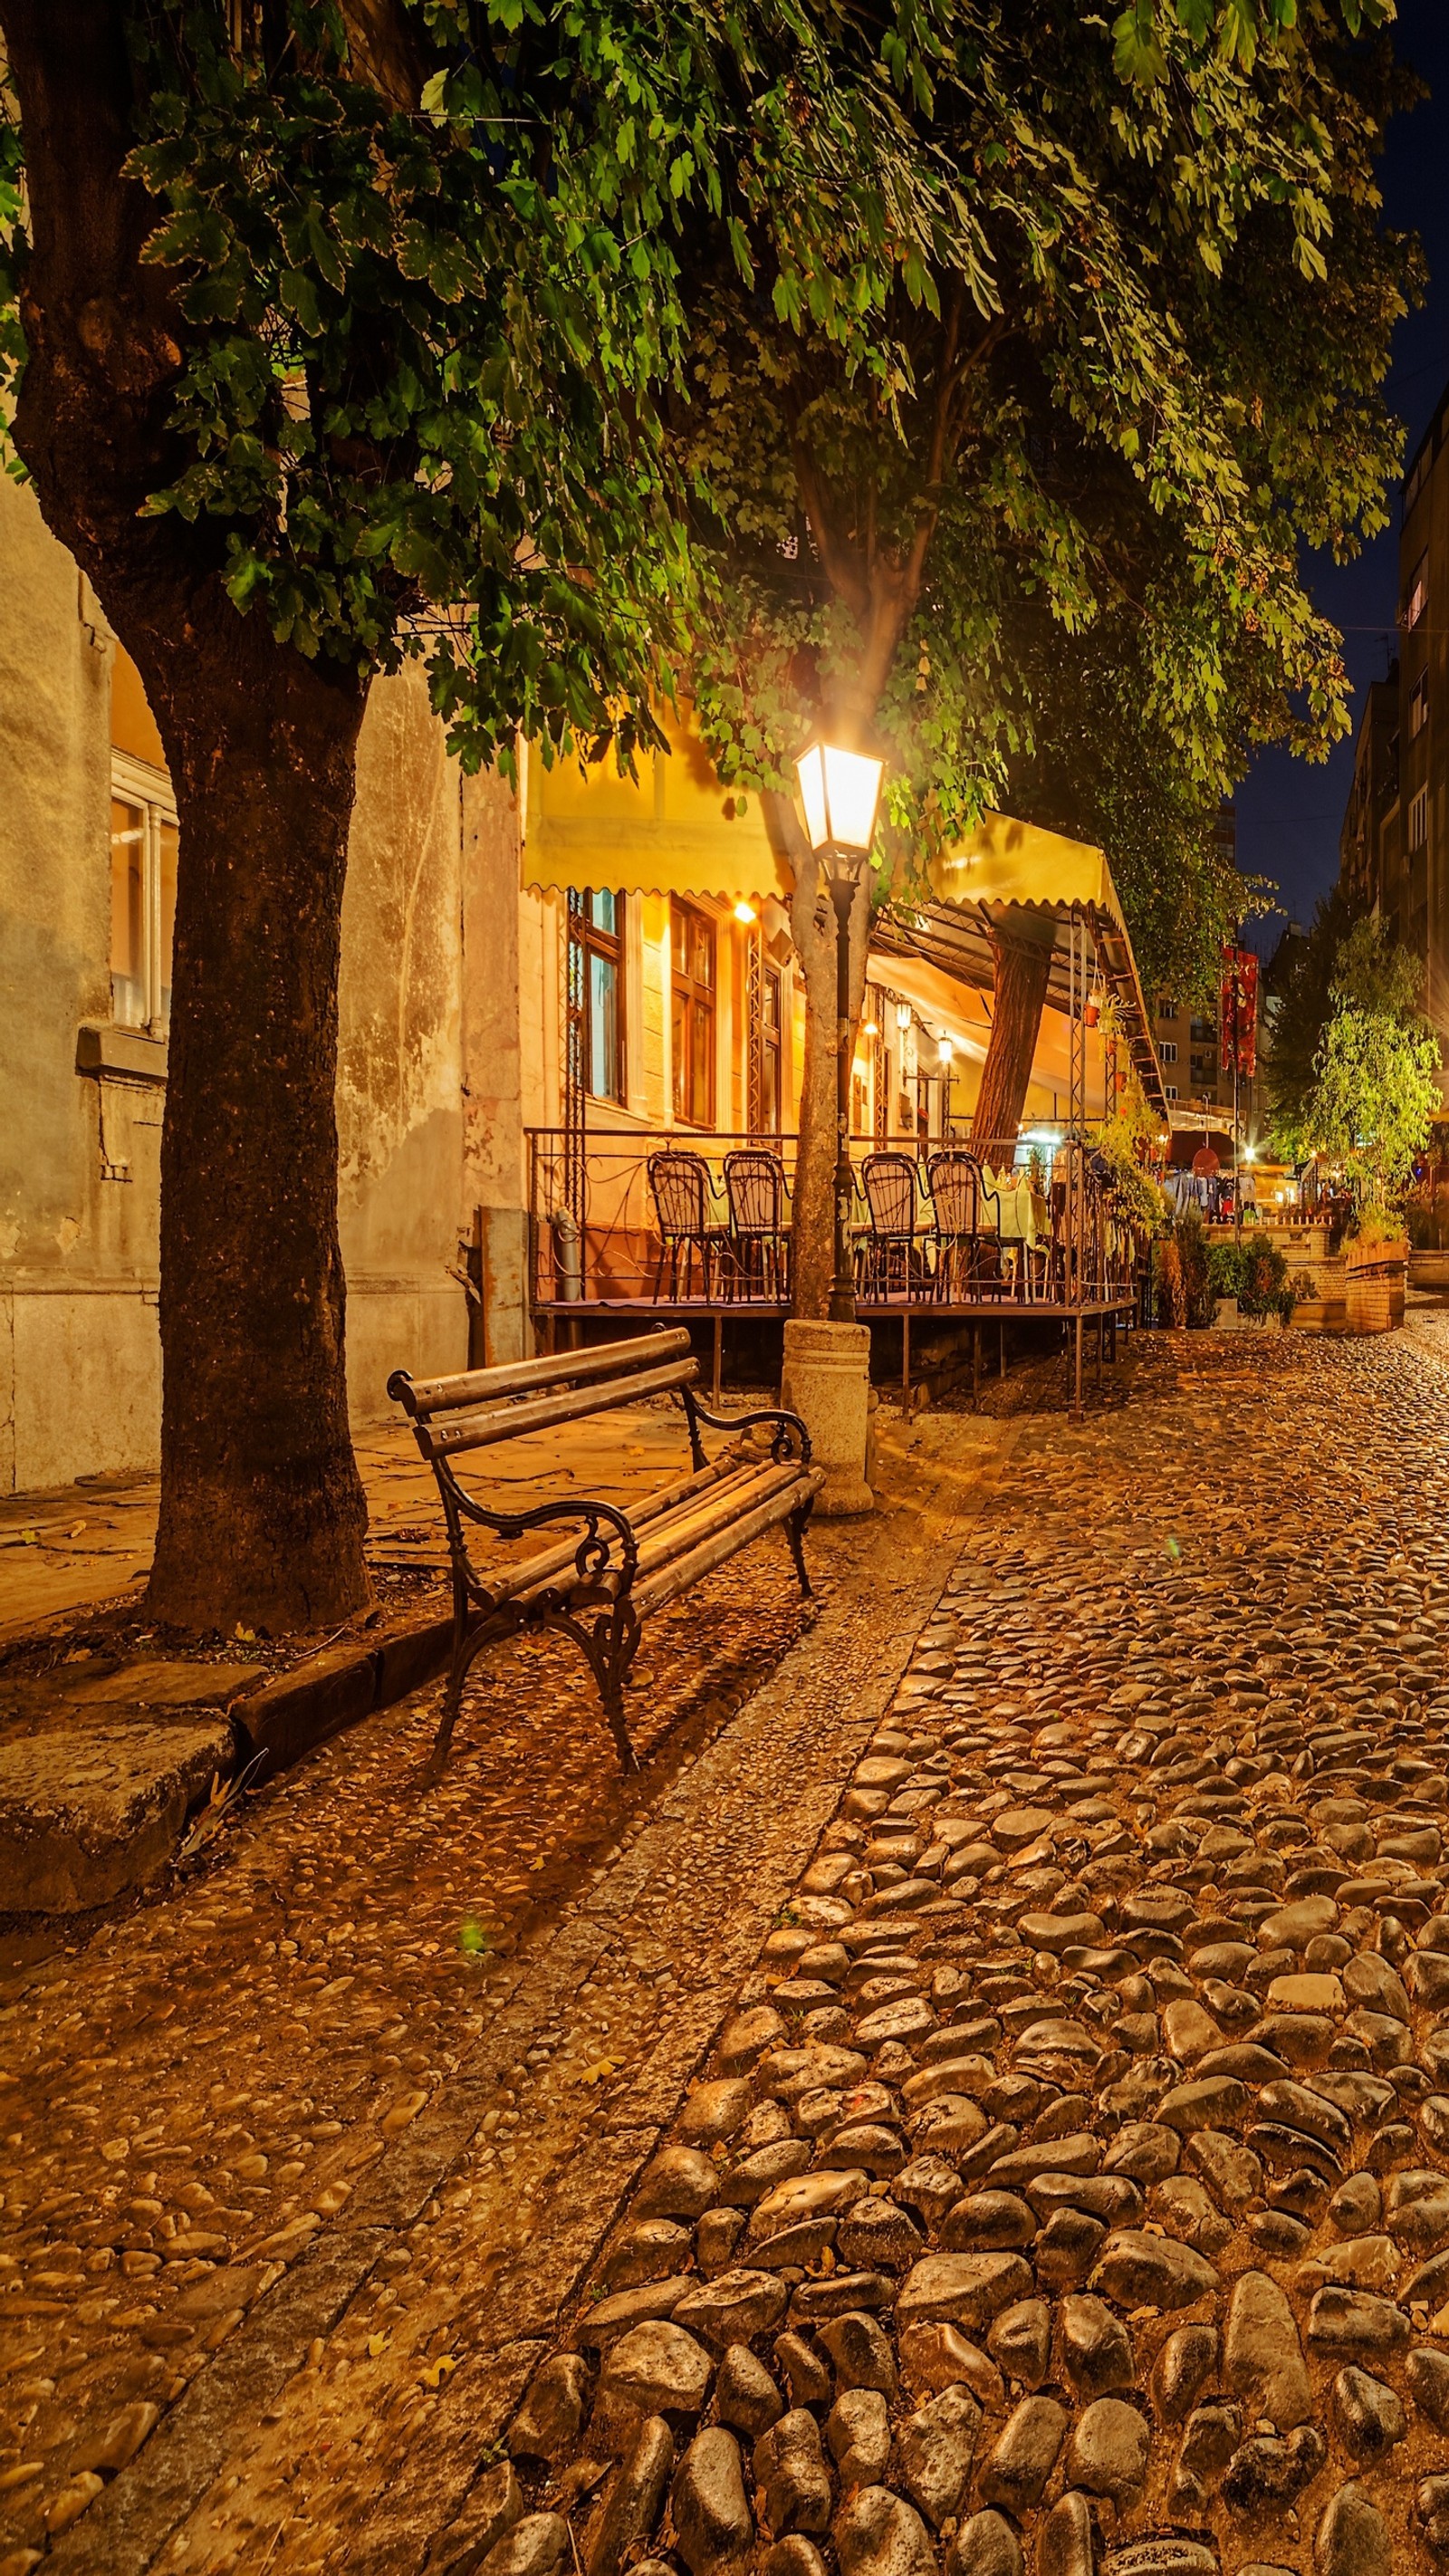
789,1429
592,1555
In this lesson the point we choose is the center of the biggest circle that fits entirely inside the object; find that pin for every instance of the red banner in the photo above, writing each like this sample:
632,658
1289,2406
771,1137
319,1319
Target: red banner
1238,1012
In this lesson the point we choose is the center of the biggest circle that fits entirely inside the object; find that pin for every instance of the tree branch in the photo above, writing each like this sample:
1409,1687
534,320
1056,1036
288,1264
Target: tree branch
841,565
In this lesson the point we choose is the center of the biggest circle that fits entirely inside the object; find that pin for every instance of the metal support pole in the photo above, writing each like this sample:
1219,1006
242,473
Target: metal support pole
842,1294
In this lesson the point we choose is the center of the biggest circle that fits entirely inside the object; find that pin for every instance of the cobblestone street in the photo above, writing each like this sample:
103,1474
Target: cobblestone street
977,2104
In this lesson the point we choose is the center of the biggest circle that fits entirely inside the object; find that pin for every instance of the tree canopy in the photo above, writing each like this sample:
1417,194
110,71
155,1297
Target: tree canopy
1375,1086
1048,496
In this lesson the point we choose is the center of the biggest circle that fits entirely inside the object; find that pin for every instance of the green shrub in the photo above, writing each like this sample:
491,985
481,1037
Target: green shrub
1190,1236
1257,1274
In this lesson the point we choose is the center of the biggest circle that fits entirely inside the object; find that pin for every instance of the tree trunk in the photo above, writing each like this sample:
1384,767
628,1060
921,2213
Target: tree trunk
1022,950
812,927
262,1510
262,1513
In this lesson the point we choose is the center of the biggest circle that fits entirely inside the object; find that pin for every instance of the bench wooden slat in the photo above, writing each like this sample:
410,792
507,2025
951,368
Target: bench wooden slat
505,1583
522,1377
688,1528
510,1421
682,1571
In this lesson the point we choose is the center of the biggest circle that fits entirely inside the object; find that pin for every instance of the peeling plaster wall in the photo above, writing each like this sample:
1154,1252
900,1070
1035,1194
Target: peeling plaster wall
80,1368
80,1375
399,1075
510,1034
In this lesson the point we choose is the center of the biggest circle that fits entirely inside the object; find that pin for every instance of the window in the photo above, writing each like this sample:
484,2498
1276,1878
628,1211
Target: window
143,894
1168,1050
693,987
1166,1010
1418,594
1170,1090
1419,820
1418,706
772,1071
1201,1029
603,945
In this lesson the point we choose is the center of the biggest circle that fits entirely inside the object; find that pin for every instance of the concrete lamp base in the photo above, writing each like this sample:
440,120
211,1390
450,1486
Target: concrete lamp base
826,1379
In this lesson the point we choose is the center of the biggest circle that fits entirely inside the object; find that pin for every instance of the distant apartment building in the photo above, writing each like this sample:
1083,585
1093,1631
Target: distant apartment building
1394,847
1370,843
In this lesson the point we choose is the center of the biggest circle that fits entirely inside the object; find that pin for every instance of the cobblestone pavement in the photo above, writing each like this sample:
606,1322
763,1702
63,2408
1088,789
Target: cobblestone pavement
1069,2188
1048,1966
301,2153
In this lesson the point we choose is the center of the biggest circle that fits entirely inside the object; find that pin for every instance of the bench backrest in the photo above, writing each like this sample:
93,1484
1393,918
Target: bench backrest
479,1407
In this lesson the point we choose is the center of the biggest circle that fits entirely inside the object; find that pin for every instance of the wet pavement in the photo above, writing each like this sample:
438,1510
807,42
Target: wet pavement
984,2108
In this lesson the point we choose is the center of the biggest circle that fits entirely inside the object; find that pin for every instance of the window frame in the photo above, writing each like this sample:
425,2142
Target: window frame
609,946
1167,1050
1416,598
139,783
699,1018
1418,706
1418,814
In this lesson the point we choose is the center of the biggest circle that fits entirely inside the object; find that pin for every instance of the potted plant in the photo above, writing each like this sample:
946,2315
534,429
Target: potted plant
1375,1260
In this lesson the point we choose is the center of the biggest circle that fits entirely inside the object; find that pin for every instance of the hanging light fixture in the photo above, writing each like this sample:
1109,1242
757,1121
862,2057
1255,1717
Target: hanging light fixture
840,792
903,1016
745,913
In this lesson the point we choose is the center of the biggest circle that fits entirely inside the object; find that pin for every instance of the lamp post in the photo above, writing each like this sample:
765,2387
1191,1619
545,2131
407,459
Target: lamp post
946,1051
840,793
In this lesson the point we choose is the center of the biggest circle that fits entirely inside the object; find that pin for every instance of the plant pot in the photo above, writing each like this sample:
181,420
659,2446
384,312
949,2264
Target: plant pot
1367,1304
1372,1256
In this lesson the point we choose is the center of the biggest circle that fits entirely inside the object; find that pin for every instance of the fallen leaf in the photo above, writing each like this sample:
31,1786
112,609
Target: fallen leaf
438,2370
601,2067
376,2344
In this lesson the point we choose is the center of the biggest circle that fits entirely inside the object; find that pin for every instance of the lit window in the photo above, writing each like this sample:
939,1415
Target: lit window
603,934
143,894
1418,706
692,960
1419,820
1418,595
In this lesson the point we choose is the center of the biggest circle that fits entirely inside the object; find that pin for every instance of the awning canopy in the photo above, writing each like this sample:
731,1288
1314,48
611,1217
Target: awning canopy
673,829
1006,866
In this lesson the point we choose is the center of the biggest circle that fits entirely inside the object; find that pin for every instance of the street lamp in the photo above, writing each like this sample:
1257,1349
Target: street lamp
840,792
946,1053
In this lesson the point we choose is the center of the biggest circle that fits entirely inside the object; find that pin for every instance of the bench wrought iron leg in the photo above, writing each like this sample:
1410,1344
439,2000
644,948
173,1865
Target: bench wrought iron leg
466,1647
795,1536
611,1651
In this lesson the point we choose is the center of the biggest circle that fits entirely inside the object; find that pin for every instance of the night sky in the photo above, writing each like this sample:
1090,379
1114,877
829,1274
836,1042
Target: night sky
1289,812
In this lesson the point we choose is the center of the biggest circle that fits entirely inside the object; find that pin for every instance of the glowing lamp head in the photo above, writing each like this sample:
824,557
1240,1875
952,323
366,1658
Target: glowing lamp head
745,913
870,1028
946,1048
840,793
903,1017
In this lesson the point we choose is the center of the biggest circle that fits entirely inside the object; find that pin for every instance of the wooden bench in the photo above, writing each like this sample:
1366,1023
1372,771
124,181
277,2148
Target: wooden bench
599,1584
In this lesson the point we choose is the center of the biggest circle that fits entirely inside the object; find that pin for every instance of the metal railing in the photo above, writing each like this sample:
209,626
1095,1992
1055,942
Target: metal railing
681,1218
